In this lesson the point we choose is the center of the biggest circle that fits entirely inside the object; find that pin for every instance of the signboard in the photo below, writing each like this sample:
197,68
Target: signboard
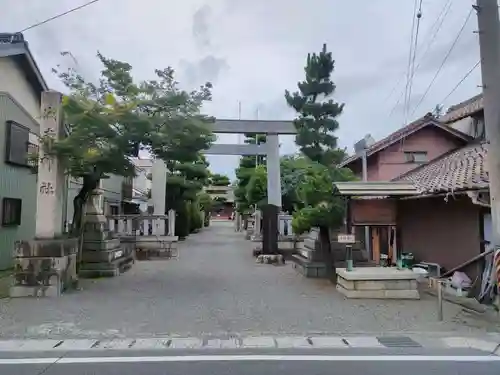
346,238
373,211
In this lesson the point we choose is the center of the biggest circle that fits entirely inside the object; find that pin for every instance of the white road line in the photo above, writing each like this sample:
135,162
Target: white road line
237,358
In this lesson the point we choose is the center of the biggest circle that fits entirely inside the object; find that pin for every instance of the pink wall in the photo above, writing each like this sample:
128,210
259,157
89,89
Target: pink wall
391,162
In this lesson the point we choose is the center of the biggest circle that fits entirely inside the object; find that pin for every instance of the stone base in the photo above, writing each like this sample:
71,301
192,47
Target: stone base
35,291
156,247
308,268
115,268
377,283
271,259
44,267
106,258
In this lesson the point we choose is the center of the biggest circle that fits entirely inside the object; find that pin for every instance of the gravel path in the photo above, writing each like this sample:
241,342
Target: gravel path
216,288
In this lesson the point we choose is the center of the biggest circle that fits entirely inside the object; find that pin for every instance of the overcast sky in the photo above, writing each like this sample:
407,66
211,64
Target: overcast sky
252,50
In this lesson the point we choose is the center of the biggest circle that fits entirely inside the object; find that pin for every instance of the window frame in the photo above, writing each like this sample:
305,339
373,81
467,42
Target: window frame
410,157
15,210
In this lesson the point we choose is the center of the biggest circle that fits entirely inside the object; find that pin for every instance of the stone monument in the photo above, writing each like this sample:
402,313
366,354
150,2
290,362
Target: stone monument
46,265
102,254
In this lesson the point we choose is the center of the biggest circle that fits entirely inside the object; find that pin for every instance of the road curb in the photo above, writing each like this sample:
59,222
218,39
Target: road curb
250,342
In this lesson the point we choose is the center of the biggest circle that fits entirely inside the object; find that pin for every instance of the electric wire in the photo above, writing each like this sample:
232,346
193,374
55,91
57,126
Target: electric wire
58,16
450,50
435,29
410,54
412,70
460,82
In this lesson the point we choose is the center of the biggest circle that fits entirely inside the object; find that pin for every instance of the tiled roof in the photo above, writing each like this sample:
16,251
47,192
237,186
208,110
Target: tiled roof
464,109
405,131
461,169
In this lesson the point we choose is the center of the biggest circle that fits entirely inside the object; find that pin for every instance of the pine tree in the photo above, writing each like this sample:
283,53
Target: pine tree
316,123
317,114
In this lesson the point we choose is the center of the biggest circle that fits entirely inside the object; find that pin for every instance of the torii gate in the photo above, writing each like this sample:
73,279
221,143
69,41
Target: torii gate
272,130
270,149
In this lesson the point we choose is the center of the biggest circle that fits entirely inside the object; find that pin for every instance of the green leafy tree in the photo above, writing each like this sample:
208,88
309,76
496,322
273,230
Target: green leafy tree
195,215
110,121
219,180
316,123
256,190
293,170
105,128
245,171
206,204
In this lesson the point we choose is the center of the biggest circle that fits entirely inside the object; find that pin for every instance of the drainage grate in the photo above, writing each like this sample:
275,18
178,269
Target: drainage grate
398,342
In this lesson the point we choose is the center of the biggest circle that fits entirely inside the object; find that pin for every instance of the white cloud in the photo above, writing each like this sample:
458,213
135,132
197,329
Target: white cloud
254,50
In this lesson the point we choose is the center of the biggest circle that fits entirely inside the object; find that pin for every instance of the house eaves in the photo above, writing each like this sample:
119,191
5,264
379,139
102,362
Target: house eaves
376,188
404,132
15,47
464,109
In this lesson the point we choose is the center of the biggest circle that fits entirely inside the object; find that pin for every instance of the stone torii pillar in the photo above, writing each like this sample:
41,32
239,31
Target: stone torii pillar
158,186
273,207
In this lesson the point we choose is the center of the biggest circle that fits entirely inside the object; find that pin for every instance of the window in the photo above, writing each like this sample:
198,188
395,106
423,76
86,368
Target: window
11,212
416,157
17,144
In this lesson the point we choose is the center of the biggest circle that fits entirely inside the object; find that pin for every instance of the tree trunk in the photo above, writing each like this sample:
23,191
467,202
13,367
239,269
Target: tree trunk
326,250
90,183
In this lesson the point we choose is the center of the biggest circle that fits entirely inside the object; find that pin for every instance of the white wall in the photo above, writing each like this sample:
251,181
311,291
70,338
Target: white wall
13,81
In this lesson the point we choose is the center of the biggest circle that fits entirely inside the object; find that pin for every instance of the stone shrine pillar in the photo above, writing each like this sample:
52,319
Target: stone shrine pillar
257,235
171,222
50,182
272,209
158,186
46,265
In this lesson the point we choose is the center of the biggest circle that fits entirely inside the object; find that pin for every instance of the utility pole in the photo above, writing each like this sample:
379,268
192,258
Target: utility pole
489,46
368,245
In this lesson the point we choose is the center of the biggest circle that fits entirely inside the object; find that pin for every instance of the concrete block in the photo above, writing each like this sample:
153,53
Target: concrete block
376,273
232,343
77,344
470,343
186,343
368,284
363,342
146,344
328,342
293,342
17,291
27,345
258,342
378,294
348,284
115,344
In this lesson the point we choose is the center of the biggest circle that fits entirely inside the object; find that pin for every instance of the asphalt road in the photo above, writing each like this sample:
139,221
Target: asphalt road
366,362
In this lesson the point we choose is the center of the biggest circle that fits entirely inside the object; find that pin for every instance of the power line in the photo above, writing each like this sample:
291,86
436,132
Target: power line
410,54
58,16
443,62
444,11
412,75
460,82
441,17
